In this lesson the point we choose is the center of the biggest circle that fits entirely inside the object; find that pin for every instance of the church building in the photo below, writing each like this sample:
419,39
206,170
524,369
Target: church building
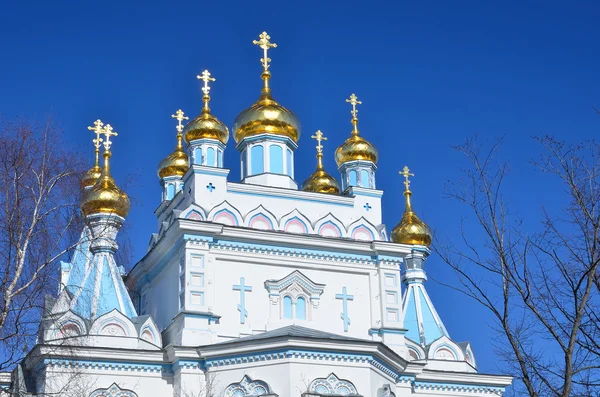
264,286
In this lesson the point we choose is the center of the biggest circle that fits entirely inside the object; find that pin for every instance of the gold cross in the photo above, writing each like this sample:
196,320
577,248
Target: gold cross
205,76
406,173
108,132
97,128
179,115
265,44
319,137
354,101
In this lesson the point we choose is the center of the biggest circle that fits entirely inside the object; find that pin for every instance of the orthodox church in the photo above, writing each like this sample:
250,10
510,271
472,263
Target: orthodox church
258,287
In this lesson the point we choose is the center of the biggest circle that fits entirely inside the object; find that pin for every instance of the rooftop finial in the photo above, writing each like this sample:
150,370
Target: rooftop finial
265,44
107,131
179,116
353,100
97,128
320,138
205,76
406,174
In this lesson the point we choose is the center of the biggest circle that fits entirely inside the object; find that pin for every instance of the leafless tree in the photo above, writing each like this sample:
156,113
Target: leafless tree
39,224
541,287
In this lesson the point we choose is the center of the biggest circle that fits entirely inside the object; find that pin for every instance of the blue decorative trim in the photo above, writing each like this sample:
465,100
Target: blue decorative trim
265,137
124,366
211,172
454,387
295,198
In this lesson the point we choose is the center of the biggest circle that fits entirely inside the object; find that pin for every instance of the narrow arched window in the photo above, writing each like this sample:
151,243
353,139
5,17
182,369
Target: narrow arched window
276,159
170,191
198,156
301,308
287,307
364,178
219,158
210,157
353,178
243,170
257,162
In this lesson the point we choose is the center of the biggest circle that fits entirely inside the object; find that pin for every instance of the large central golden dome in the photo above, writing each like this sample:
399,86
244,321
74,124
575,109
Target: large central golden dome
266,116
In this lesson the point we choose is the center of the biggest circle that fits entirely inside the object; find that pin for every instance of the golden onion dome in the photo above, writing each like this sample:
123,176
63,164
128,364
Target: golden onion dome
356,147
206,126
320,181
105,197
266,116
91,176
411,230
177,163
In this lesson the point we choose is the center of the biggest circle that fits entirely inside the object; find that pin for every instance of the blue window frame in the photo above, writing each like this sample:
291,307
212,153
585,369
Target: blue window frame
198,156
364,178
301,308
276,159
287,307
210,157
353,178
170,191
288,159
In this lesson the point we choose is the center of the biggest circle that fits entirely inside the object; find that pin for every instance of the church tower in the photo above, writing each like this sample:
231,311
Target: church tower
174,166
267,134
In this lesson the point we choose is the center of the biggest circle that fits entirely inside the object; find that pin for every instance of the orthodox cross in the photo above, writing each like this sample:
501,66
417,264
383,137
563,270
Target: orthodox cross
243,288
179,115
353,100
319,137
345,298
108,132
210,187
97,128
265,44
406,174
205,76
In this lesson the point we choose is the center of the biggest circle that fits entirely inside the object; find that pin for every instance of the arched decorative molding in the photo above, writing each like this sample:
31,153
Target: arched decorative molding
113,323
194,212
63,302
226,214
147,330
295,222
469,356
68,325
362,230
332,386
330,226
113,391
260,218
415,351
248,387
295,284
445,349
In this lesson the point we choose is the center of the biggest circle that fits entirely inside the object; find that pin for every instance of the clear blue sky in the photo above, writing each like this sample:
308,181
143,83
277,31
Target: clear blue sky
429,73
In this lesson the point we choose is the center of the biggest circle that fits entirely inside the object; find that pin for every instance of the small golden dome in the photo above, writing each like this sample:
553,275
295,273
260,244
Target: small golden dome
91,176
266,116
177,163
411,230
105,197
356,147
321,182
206,126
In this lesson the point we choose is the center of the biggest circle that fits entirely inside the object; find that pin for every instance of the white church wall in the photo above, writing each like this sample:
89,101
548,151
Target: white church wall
162,295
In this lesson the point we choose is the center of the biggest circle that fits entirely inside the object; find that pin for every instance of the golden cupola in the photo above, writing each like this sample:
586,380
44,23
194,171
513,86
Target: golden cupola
206,126
320,181
266,116
92,175
356,147
105,197
175,164
410,230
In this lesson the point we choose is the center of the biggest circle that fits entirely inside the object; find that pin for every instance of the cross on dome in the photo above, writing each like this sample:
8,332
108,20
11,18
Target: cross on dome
205,76
319,137
353,100
406,174
179,116
108,132
98,130
265,44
